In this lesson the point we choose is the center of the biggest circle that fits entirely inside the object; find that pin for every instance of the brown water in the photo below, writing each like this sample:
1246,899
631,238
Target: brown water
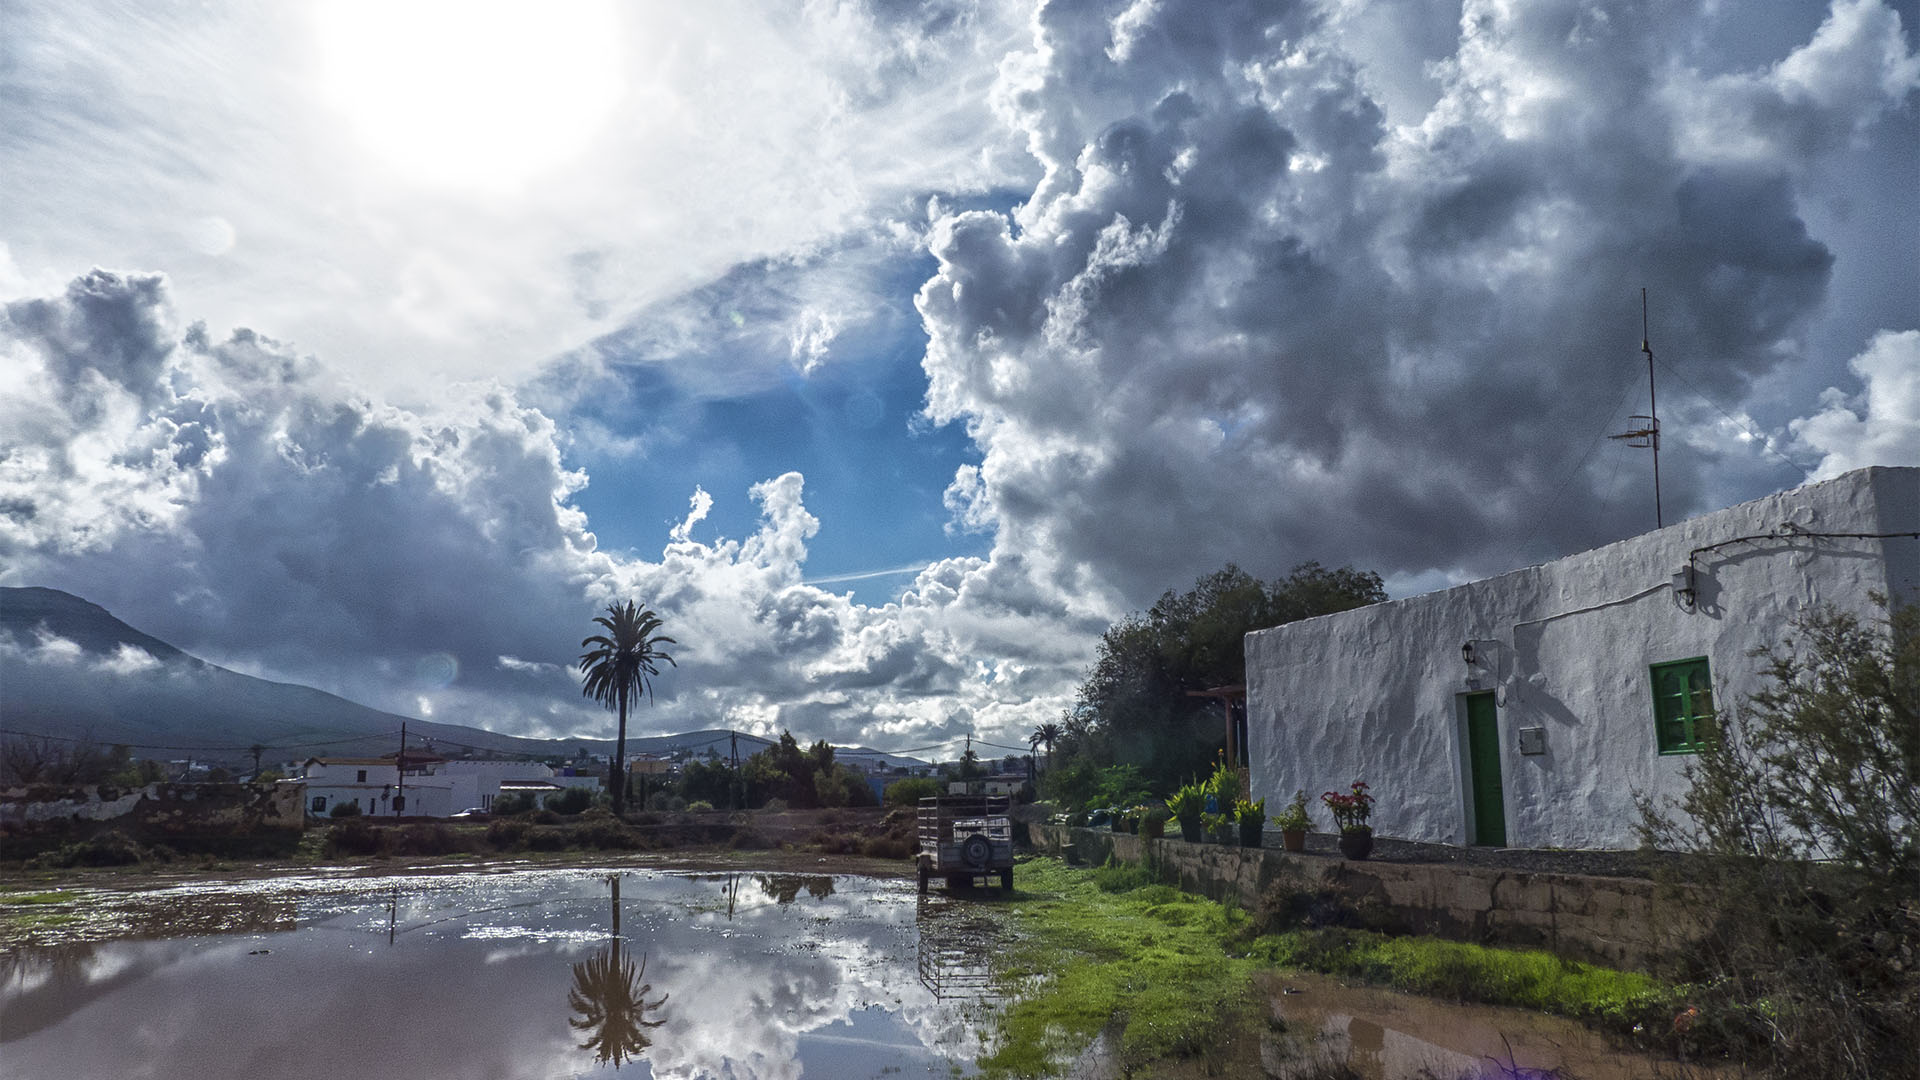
1384,1035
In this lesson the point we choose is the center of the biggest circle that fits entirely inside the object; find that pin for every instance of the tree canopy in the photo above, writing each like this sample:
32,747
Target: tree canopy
1133,706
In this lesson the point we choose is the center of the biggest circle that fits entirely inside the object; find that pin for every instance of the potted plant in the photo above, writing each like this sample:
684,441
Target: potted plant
1188,804
1219,828
1293,823
1153,824
1252,817
1351,812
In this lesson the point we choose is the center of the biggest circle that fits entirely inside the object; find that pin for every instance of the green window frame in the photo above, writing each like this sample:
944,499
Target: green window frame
1682,705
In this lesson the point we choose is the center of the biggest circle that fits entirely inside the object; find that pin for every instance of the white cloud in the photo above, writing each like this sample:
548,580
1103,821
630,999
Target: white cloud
128,660
429,559
1878,426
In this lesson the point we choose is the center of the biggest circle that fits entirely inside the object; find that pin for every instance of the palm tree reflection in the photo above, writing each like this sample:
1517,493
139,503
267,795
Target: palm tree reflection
610,999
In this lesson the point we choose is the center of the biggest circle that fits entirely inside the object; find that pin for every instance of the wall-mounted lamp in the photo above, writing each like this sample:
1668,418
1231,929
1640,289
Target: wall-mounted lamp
1466,653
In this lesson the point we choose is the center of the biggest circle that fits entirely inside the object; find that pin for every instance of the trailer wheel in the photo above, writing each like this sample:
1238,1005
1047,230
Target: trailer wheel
977,850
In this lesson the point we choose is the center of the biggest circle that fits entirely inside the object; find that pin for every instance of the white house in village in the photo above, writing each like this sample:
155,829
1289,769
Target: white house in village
432,787
1530,709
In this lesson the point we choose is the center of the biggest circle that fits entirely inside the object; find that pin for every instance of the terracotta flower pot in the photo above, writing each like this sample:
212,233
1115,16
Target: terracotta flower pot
1153,828
1293,839
1356,843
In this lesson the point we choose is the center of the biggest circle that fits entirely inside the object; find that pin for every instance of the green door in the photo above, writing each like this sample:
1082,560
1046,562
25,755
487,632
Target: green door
1483,764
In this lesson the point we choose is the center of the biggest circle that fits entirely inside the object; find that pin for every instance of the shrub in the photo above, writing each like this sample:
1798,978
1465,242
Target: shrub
698,806
909,792
511,804
353,836
426,840
571,801
547,838
111,848
1805,813
507,835
344,810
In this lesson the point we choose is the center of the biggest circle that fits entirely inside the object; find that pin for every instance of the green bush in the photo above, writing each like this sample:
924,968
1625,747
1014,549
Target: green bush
511,804
508,835
1804,815
909,792
427,839
574,800
353,836
344,810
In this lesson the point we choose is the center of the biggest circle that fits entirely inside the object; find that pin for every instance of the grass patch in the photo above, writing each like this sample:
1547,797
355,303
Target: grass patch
1092,951
1170,974
38,898
1525,978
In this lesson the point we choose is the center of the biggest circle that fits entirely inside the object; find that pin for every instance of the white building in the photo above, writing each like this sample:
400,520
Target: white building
1530,709
375,784
433,786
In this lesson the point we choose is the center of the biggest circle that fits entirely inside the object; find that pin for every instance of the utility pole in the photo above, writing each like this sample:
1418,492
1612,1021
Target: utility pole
400,773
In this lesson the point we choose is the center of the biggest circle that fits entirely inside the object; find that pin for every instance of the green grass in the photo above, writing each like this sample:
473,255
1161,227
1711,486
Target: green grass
1174,973
1092,949
38,898
1528,979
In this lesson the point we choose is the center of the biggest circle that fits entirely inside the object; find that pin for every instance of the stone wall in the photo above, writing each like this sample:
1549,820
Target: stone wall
1621,922
184,816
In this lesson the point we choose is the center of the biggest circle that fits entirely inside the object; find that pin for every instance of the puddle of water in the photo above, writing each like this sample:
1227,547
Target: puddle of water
532,974
1384,1035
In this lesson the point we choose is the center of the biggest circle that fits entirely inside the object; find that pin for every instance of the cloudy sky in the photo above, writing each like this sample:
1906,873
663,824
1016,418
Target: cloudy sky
890,349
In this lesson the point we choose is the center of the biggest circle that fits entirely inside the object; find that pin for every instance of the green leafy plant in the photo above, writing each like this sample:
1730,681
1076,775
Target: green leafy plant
1188,802
1350,811
1250,813
1294,817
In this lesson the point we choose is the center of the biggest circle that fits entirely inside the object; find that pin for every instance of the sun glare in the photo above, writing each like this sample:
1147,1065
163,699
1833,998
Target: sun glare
470,93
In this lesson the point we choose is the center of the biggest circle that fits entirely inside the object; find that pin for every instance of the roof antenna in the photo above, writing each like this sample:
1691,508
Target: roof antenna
1649,435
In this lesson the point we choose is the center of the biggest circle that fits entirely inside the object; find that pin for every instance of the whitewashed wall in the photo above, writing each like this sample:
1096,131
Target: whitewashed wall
1374,694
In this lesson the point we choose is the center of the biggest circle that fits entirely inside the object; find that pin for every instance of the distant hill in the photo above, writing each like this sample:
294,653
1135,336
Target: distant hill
170,703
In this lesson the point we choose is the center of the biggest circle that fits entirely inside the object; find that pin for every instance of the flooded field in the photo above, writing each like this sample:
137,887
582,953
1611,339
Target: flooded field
529,974
511,973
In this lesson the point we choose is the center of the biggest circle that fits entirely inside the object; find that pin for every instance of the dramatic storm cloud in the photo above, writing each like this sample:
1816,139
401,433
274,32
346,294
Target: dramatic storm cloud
1252,318
892,350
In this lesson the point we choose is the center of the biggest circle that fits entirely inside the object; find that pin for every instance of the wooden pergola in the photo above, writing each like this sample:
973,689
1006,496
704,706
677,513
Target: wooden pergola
1229,696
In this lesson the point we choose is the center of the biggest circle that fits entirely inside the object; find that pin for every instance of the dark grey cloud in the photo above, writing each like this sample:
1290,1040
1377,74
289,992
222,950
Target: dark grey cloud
1245,317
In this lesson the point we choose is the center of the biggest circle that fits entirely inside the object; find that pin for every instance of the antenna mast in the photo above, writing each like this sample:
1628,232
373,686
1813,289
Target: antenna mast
1650,433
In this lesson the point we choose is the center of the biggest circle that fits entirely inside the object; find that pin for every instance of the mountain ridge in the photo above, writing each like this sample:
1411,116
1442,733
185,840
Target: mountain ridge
179,703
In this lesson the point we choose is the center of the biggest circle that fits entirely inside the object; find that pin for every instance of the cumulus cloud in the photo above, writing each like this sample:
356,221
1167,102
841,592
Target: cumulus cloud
1251,318
429,559
1878,426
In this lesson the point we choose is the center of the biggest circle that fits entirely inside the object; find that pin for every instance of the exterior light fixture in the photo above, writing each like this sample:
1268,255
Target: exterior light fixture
1466,653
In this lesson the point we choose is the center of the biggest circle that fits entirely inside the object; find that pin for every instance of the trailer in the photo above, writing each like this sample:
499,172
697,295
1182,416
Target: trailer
965,838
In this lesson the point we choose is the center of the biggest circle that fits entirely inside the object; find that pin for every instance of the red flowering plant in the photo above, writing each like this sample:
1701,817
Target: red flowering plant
1352,810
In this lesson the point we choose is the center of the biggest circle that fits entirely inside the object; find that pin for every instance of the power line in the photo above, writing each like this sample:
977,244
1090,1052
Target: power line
1765,442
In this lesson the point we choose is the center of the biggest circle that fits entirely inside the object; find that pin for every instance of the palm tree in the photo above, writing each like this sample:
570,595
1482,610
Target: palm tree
1047,734
620,667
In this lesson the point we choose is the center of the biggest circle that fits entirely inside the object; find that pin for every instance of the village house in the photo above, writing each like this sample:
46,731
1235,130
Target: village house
1533,708
432,786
